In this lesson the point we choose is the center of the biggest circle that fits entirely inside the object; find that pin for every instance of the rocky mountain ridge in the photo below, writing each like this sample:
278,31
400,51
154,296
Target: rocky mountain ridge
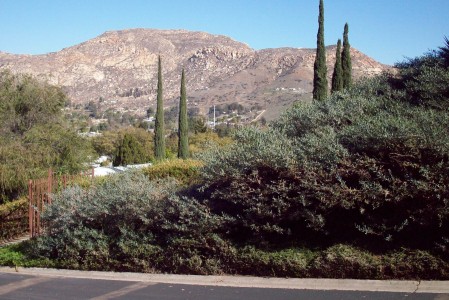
118,70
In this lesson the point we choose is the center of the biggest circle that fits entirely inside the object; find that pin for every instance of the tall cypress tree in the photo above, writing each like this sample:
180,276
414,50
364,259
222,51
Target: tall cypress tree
346,60
159,128
183,128
319,68
337,76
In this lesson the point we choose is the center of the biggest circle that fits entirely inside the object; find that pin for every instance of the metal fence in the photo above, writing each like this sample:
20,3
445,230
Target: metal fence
40,193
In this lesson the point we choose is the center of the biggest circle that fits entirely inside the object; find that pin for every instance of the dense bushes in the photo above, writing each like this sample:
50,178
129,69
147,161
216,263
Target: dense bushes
368,167
130,223
185,171
125,146
13,219
33,134
355,186
129,151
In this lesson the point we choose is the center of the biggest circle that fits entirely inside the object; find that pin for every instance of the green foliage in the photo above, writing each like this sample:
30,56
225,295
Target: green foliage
34,135
202,141
186,172
25,102
159,128
360,178
281,263
183,256
320,68
198,124
344,261
109,141
130,151
346,59
425,80
253,147
129,223
17,255
366,166
183,127
444,52
337,75
13,219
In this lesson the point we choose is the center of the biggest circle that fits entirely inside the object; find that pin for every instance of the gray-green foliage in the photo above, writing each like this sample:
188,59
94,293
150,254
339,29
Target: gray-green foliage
366,164
130,223
252,147
366,167
425,80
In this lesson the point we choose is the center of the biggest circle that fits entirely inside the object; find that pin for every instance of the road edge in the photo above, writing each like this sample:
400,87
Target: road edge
405,286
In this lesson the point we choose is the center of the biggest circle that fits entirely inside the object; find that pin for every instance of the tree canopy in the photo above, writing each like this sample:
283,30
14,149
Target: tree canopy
34,135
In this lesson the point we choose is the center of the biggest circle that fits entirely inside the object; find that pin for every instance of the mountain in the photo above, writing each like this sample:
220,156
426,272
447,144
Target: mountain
118,70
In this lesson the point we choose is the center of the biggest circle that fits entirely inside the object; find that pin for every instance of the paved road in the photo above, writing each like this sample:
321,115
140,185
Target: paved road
20,286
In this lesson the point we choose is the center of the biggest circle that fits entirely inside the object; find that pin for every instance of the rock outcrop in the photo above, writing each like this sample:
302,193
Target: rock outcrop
119,70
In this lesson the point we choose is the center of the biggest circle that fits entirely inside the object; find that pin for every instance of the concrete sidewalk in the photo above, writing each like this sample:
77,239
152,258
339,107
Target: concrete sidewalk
437,287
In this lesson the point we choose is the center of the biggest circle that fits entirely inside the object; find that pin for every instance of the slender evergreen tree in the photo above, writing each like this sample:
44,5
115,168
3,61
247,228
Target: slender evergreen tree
346,59
319,68
159,128
337,76
183,127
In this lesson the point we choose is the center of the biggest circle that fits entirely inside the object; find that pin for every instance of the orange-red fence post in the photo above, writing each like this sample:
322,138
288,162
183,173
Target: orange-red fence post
30,206
49,186
39,195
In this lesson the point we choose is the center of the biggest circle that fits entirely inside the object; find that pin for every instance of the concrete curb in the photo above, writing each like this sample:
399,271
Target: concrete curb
437,287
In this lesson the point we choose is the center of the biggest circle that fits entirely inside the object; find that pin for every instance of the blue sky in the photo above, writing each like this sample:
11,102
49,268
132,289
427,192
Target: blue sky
387,30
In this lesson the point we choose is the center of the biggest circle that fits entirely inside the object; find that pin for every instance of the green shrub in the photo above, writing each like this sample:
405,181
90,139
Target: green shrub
186,172
343,261
253,147
414,264
281,263
367,165
34,135
13,219
425,80
130,151
129,223
17,255
85,226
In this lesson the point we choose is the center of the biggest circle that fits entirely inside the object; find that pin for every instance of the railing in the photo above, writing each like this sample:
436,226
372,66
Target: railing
40,192
13,220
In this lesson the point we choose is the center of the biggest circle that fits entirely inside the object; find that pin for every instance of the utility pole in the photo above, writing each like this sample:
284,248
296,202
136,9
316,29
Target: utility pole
214,117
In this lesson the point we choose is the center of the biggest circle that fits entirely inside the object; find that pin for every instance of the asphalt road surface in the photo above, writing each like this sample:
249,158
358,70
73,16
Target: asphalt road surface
20,286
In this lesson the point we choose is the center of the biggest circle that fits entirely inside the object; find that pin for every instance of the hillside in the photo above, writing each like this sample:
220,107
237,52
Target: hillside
118,70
